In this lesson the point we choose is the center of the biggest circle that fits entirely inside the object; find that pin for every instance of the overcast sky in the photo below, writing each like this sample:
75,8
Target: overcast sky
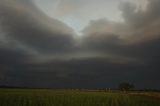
79,43
78,13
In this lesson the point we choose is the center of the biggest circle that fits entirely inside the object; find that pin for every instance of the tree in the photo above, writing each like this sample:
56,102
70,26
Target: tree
126,86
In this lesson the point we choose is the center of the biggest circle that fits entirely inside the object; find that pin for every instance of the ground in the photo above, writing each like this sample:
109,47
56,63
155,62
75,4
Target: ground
52,97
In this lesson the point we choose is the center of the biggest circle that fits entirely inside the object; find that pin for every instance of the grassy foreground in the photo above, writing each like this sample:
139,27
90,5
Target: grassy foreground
42,97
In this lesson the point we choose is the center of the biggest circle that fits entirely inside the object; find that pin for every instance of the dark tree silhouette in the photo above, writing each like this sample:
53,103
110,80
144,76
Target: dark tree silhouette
126,86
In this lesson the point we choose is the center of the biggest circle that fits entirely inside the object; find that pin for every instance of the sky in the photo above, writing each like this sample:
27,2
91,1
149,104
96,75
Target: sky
80,43
78,13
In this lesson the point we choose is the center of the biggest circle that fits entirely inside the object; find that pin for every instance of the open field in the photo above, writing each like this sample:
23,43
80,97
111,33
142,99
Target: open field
48,97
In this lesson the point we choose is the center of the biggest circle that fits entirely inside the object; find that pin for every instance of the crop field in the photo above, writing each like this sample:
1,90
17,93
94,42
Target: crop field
48,97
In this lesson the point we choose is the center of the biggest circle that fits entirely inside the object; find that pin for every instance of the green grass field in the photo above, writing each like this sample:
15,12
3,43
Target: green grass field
43,97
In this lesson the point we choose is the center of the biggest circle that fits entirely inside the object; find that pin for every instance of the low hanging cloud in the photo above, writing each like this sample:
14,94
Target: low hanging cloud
139,24
23,22
138,38
139,31
108,53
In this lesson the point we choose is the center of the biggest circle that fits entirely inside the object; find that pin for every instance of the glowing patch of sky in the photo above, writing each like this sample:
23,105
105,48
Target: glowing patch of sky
73,22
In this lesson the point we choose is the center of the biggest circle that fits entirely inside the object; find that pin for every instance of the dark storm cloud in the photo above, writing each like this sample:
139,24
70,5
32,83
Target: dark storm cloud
23,22
26,33
144,24
11,60
108,53
133,38
141,18
92,72
137,38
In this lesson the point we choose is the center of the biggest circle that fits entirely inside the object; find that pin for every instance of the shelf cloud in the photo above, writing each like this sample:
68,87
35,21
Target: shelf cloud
39,51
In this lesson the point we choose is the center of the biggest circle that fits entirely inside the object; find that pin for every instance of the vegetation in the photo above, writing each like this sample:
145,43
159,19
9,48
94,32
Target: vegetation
126,86
46,97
